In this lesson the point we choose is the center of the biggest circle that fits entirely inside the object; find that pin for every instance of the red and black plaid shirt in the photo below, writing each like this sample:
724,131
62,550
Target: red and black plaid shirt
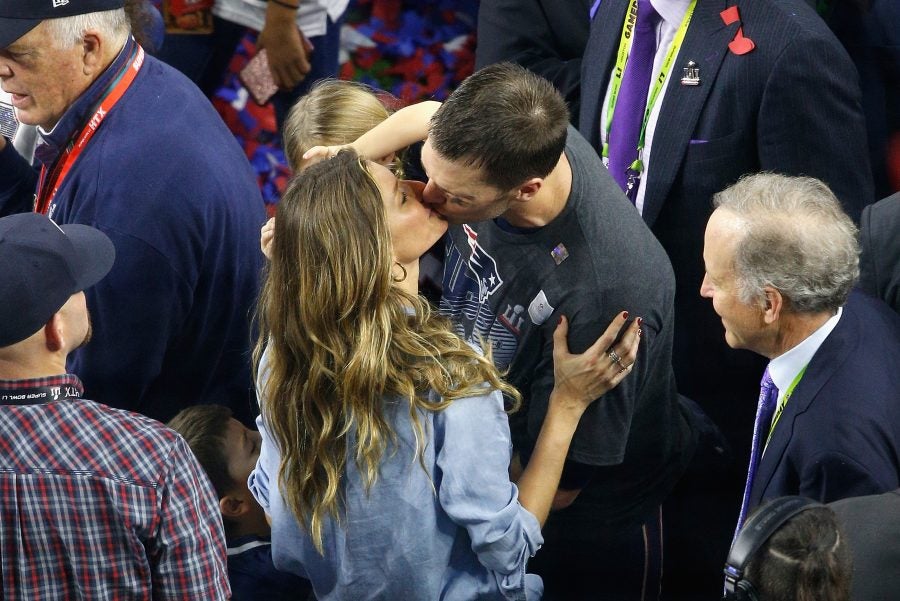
99,503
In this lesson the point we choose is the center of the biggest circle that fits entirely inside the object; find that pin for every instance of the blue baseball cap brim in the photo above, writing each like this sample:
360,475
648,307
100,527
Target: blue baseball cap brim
18,17
41,266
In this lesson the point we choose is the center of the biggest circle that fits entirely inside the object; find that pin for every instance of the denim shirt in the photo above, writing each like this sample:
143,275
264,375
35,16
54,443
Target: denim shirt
465,537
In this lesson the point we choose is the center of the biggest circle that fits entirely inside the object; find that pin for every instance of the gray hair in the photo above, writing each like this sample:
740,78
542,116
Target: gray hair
797,239
67,31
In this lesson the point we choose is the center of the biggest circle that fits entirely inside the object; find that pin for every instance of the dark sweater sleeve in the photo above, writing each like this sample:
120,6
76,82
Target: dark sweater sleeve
18,181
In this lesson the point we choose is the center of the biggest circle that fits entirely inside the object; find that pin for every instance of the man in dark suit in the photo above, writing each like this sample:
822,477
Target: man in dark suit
879,261
771,90
546,37
781,259
789,104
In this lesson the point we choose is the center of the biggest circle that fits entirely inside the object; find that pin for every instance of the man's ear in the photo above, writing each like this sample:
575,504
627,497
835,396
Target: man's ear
773,305
92,45
233,507
54,333
529,189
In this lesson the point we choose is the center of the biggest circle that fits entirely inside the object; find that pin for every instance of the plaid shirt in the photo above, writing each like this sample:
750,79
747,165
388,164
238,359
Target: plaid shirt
98,503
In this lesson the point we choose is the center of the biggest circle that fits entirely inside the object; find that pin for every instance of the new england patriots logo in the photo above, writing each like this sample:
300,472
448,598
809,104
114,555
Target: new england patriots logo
483,266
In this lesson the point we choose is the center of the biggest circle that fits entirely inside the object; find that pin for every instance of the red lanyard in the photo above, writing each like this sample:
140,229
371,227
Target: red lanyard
47,189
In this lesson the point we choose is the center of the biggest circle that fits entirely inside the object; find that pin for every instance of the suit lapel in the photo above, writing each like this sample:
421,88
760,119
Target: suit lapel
705,43
833,352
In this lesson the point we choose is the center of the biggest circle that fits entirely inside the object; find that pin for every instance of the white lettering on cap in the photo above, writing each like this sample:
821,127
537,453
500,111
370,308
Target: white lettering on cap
58,3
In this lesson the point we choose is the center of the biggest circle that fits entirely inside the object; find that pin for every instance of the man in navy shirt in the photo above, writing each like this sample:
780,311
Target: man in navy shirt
131,147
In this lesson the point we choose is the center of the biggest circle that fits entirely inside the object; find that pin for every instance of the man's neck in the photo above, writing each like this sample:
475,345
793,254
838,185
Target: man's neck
548,202
797,328
27,370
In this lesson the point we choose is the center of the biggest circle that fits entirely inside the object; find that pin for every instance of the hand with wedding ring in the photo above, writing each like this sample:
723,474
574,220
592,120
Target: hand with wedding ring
581,379
615,358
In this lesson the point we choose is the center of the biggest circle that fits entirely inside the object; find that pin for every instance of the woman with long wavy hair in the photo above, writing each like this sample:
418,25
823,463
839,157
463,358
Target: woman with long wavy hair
386,448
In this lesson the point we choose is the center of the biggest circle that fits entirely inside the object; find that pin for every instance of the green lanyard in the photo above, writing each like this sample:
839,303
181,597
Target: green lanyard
787,397
622,58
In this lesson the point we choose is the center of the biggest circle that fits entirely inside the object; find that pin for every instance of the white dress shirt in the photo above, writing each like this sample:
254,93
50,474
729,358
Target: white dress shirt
311,16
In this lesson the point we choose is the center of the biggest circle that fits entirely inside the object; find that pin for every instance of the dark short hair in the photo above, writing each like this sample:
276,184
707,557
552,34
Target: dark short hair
506,121
204,428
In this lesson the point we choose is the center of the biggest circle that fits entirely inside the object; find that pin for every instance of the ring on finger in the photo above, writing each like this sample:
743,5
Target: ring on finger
616,358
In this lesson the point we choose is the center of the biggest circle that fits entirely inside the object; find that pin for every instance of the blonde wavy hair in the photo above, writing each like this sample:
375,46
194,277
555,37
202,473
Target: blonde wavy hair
333,112
341,337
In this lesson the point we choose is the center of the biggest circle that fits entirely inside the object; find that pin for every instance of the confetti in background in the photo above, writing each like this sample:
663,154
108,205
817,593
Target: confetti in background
415,49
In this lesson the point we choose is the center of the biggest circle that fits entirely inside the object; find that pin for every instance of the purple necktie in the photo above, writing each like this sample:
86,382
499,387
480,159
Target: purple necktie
632,100
768,399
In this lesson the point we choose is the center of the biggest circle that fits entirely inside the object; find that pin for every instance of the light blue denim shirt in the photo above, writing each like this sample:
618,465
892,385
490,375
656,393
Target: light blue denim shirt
466,537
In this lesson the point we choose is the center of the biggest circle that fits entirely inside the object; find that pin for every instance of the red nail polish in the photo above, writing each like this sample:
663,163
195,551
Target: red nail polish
624,314
559,321
640,321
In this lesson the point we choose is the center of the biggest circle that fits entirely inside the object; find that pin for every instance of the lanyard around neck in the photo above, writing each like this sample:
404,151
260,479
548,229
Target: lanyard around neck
783,404
35,394
48,186
625,42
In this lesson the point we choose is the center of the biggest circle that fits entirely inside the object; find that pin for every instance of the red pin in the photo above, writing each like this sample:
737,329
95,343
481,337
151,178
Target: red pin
730,15
740,44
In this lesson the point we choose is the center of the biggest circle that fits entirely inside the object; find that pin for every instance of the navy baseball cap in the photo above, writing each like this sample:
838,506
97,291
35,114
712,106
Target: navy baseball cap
18,17
41,266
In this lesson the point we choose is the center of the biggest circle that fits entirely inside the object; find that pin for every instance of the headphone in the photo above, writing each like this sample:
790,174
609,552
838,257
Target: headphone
762,525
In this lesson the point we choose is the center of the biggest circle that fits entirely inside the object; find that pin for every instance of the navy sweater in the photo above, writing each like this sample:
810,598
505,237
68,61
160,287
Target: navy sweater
167,182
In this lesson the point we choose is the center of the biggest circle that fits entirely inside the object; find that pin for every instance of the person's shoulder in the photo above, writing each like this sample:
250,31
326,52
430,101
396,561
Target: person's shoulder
131,424
882,217
795,14
165,104
175,82
482,404
141,448
855,359
853,509
873,317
